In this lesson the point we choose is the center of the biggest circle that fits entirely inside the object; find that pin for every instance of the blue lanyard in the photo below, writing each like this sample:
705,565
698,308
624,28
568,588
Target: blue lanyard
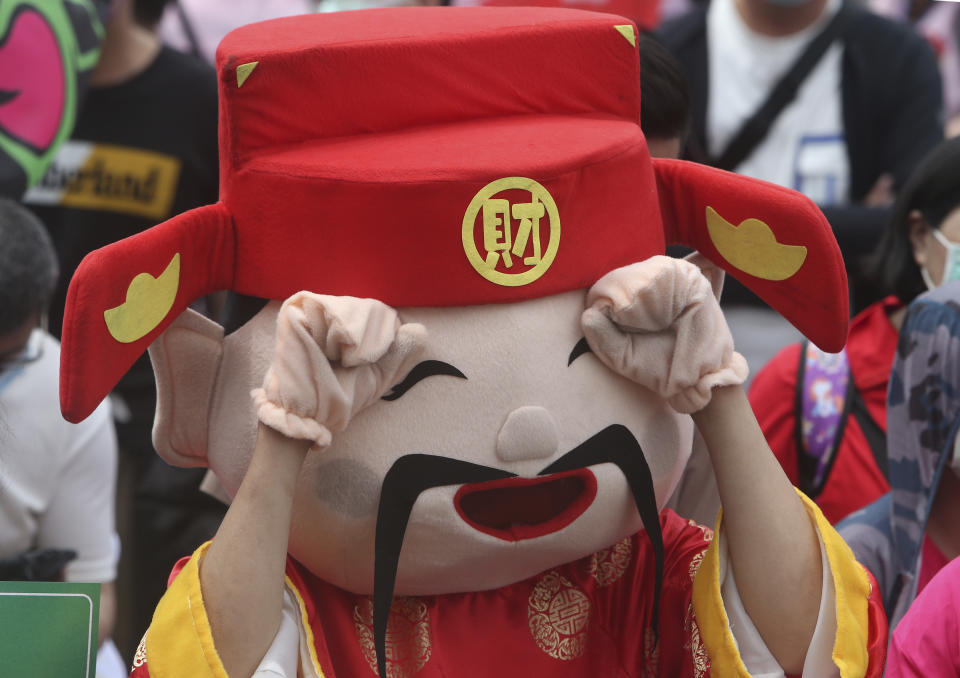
7,377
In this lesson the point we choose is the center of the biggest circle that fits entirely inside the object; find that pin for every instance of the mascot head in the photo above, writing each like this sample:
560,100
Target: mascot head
478,170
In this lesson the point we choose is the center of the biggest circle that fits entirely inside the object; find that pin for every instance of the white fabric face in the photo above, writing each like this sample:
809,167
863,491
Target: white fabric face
520,408
806,147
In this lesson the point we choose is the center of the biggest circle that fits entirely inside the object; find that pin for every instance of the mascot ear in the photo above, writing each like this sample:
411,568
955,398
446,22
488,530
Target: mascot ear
186,360
710,271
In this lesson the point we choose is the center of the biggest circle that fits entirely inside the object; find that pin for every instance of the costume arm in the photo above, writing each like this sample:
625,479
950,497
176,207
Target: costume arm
772,544
244,567
851,633
773,398
180,641
820,613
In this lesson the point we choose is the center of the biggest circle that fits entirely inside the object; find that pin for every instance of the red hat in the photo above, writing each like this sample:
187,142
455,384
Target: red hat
433,157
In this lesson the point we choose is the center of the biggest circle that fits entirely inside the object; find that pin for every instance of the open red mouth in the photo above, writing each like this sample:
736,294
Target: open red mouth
513,509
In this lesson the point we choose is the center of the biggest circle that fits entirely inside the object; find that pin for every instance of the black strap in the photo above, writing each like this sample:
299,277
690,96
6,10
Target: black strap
876,437
804,477
757,126
188,32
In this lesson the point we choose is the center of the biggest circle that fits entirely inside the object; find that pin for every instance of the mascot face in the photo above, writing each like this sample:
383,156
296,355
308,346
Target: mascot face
496,387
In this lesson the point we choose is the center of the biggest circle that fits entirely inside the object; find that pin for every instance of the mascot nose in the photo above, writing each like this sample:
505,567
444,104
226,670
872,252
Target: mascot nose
528,433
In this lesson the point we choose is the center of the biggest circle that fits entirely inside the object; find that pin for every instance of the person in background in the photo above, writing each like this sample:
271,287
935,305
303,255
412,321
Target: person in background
144,148
57,480
861,117
939,23
909,534
665,100
925,644
824,415
197,26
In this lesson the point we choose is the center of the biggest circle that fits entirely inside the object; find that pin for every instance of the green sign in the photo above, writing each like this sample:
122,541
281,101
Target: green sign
48,629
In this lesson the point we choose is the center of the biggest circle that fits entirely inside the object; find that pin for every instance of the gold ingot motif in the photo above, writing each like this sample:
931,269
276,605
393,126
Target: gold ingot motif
512,233
408,645
558,614
608,565
752,248
147,303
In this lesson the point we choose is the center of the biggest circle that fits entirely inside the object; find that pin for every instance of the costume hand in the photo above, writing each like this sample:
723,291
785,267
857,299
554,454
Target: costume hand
334,356
658,323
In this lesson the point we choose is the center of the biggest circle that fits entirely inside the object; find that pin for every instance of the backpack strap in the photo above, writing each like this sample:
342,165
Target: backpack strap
823,399
875,435
755,129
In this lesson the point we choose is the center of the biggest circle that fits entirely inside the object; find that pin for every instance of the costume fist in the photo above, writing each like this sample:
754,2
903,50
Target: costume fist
658,323
334,356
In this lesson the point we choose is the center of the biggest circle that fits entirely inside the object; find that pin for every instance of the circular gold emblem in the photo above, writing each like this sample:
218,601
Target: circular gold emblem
558,613
408,636
510,249
608,565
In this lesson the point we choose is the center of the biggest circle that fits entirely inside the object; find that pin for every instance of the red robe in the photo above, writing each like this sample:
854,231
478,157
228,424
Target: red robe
591,617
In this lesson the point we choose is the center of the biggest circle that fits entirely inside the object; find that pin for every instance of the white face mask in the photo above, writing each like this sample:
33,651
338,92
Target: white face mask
951,265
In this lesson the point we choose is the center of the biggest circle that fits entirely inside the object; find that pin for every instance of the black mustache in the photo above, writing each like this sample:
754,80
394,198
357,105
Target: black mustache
413,474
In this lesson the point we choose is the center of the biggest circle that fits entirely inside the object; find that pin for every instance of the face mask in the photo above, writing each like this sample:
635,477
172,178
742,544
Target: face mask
951,265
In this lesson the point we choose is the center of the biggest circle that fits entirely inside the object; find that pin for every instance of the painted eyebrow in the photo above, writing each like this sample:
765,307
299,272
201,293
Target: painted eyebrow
578,350
428,368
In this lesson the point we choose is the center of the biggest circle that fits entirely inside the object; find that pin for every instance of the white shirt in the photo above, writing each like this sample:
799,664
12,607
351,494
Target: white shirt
805,149
57,480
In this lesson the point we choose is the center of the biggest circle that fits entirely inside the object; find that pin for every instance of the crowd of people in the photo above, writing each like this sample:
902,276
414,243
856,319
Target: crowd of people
850,103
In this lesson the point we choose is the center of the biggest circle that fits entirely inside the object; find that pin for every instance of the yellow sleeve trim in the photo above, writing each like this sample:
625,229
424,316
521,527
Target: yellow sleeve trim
852,590
179,641
308,631
711,615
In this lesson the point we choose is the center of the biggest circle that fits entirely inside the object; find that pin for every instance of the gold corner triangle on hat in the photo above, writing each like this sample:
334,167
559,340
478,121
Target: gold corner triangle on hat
244,71
626,30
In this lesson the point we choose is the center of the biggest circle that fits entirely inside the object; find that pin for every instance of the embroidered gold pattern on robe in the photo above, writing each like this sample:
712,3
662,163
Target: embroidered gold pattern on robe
608,565
651,654
706,531
559,613
140,658
698,653
408,636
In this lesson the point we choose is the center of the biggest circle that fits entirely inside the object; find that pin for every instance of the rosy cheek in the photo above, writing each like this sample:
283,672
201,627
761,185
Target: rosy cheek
347,487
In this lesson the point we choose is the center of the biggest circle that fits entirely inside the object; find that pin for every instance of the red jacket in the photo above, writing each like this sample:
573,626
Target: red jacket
855,479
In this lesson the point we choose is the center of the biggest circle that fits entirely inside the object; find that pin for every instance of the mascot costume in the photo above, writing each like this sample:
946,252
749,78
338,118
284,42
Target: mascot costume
474,376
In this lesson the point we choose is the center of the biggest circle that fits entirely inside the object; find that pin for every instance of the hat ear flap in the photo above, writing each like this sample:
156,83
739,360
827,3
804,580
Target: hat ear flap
186,361
772,239
124,295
